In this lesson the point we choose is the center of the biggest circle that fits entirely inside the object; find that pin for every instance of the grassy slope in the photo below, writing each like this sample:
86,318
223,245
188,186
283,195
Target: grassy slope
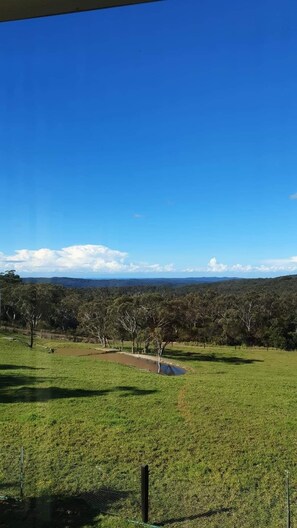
218,440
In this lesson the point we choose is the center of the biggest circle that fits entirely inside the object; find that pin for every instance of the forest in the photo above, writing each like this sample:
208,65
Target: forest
252,312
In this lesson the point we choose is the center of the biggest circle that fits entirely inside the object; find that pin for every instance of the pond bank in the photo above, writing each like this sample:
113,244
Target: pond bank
140,361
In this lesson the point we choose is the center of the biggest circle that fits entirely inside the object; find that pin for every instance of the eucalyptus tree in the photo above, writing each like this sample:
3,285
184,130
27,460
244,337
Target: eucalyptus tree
127,314
33,305
162,321
9,277
92,319
9,280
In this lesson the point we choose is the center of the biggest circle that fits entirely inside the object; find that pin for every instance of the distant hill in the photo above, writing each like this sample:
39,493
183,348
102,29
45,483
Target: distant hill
69,282
279,285
284,284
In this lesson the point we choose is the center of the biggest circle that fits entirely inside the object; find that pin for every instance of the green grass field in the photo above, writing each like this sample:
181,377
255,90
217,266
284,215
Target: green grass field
218,440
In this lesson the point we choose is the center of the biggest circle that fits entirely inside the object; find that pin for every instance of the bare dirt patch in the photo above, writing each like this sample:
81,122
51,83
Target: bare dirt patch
139,361
132,361
111,356
76,351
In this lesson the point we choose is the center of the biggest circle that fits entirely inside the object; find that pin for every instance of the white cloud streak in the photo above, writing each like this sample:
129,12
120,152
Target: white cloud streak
79,259
293,196
288,265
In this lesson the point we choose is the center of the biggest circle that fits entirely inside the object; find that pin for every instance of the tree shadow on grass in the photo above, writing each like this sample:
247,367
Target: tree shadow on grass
196,356
15,389
127,390
18,380
19,367
58,511
44,394
203,515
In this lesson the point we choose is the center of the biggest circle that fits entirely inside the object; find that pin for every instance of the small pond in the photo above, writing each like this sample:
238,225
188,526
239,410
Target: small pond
171,370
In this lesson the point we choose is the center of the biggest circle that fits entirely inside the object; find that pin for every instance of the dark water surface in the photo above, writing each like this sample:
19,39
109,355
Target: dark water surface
171,370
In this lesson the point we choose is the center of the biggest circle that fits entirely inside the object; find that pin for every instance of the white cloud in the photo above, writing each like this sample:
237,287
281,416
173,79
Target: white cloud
77,259
288,265
272,265
215,266
293,196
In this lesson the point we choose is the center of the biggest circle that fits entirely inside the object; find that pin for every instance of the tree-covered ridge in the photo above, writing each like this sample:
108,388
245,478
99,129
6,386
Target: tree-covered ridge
254,313
72,282
286,283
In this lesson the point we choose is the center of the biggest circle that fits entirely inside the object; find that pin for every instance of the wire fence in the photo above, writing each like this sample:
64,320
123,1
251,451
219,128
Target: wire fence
74,492
77,487
11,474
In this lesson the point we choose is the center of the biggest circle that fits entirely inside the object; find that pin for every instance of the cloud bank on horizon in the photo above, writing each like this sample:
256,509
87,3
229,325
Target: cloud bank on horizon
77,259
288,265
98,259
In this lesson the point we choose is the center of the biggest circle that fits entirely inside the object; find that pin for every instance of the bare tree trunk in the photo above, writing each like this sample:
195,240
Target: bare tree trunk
31,335
159,362
146,346
161,348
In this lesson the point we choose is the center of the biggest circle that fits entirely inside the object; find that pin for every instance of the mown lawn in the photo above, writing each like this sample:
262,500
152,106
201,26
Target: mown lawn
218,440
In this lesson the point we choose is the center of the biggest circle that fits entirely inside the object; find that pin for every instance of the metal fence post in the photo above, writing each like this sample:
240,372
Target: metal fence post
288,500
22,473
144,493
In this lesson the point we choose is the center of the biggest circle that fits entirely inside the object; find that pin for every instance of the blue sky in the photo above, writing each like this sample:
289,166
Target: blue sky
157,139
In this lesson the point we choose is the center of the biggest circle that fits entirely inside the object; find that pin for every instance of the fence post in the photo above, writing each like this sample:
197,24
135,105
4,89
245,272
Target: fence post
22,473
144,493
288,500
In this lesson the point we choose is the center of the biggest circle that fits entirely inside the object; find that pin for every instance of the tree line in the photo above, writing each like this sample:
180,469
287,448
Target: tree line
151,318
